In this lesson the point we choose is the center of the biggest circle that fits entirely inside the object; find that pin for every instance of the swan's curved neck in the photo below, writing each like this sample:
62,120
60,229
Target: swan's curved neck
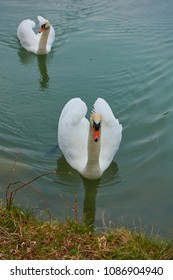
43,42
92,169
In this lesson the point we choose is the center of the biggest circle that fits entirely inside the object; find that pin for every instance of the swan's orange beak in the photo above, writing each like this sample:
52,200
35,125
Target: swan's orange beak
96,131
96,135
42,28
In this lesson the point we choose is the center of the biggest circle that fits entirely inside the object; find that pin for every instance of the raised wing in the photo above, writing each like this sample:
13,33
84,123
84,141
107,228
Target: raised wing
73,130
27,37
111,133
41,20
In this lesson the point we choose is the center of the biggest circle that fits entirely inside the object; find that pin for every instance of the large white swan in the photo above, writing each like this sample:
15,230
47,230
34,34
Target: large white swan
39,43
89,147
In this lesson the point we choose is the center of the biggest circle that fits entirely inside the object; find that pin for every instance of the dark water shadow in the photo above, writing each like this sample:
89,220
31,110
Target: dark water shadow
91,187
89,202
44,76
42,60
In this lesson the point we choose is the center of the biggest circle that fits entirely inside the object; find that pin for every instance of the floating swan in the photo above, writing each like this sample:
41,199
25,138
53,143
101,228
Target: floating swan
89,147
39,43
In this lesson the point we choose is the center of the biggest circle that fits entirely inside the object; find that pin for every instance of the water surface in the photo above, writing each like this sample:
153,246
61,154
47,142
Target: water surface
121,51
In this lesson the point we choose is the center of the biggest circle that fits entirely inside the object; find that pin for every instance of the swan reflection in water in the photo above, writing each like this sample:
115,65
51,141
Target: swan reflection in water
42,65
42,60
91,187
38,43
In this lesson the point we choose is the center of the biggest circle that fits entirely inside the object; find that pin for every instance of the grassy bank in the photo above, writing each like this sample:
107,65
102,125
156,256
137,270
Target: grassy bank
22,236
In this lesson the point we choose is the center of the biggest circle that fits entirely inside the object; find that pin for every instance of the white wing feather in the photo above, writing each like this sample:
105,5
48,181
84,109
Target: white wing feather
41,20
73,131
51,39
111,133
27,37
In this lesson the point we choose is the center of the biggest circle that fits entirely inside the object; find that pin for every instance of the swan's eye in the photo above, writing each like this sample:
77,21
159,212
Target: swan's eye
43,25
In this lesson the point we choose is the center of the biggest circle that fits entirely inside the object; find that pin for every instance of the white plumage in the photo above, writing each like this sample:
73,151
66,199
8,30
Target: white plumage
91,157
39,43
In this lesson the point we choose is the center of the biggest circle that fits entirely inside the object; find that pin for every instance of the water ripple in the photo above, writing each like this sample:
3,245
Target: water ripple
119,50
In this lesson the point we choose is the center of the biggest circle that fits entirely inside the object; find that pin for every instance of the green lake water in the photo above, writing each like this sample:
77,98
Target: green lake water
121,51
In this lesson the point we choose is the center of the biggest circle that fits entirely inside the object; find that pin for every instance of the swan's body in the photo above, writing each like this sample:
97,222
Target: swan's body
39,43
89,147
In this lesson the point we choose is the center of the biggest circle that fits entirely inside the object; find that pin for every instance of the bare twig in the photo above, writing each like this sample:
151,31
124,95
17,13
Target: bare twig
74,207
11,194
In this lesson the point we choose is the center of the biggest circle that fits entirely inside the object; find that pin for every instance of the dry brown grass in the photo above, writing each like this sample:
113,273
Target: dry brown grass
23,237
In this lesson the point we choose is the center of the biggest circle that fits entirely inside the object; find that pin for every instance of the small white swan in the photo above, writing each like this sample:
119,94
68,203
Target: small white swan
39,43
89,147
